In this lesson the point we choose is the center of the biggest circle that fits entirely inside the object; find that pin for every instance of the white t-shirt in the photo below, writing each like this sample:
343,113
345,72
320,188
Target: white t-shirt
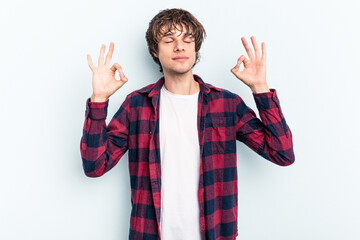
180,166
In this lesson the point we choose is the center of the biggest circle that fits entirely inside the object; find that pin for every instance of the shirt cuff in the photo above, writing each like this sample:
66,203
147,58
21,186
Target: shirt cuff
267,100
96,110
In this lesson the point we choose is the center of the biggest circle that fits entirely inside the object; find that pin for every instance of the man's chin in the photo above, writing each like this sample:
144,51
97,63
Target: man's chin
179,71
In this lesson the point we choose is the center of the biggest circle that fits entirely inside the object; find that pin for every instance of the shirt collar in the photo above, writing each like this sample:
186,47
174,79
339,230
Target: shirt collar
154,89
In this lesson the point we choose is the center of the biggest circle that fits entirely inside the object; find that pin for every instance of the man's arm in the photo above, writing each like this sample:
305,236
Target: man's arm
271,137
102,146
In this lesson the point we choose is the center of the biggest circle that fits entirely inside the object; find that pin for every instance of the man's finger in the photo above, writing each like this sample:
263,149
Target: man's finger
263,50
91,65
257,53
239,61
101,56
123,78
117,67
247,48
121,74
110,53
246,62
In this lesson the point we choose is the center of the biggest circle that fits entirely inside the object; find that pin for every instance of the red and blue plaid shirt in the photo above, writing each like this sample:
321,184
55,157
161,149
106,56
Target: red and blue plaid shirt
223,118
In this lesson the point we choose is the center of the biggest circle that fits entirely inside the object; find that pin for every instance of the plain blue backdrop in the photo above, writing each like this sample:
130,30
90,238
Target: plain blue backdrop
312,49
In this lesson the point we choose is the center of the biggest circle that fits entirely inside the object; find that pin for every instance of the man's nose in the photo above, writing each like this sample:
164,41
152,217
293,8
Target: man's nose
179,46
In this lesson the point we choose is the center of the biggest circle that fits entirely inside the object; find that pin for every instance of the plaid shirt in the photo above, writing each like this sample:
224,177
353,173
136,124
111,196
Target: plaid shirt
223,118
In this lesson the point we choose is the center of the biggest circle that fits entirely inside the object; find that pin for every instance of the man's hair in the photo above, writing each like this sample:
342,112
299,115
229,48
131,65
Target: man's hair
171,19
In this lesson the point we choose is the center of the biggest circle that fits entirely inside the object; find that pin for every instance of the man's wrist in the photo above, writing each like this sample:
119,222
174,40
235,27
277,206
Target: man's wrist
98,99
260,88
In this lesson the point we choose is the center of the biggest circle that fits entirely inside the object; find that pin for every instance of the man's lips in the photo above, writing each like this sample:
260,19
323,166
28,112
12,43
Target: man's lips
181,58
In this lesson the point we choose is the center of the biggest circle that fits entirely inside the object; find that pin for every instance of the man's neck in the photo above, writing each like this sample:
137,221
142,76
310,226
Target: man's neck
183,84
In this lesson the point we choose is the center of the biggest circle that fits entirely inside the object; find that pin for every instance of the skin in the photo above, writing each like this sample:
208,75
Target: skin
178,72
254,73
104,82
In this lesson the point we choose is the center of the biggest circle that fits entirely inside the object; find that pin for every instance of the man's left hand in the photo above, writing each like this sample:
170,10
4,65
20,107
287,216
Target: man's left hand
254,73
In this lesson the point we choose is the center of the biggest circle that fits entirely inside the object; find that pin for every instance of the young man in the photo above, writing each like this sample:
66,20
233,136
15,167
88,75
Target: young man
181,134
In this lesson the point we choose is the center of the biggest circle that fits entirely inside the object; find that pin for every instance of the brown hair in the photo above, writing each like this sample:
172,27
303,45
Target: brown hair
170,19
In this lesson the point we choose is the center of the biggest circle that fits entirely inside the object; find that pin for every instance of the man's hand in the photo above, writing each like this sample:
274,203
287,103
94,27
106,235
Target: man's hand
104,82
254,73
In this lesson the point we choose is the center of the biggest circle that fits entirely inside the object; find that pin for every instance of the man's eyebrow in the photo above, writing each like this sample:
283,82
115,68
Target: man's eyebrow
172,33
168,34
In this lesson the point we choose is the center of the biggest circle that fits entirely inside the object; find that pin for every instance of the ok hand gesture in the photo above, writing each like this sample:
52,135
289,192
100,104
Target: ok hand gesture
104,82
254,73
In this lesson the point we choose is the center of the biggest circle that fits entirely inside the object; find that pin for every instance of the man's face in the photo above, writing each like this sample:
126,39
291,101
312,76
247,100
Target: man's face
176,52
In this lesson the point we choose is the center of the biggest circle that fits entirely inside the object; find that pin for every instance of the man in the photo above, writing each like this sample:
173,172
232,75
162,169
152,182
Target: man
181,134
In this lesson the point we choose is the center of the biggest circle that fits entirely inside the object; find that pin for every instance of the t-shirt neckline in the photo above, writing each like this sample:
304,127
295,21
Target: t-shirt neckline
178,95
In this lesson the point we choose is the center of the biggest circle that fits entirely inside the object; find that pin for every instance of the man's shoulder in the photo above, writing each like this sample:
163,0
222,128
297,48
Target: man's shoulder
141,91
220,92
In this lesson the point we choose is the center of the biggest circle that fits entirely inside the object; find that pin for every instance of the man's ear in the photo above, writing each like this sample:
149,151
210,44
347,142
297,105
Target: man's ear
155,54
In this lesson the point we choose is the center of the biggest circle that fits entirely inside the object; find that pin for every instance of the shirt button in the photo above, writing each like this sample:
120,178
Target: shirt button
150,132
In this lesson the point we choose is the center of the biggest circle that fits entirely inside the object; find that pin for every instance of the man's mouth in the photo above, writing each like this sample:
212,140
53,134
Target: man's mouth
180,58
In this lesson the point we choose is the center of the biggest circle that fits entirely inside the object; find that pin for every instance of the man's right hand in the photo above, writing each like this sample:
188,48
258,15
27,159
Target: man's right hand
104,82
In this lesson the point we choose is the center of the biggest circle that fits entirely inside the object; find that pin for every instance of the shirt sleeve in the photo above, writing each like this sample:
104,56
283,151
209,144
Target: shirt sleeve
102,146
270,137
